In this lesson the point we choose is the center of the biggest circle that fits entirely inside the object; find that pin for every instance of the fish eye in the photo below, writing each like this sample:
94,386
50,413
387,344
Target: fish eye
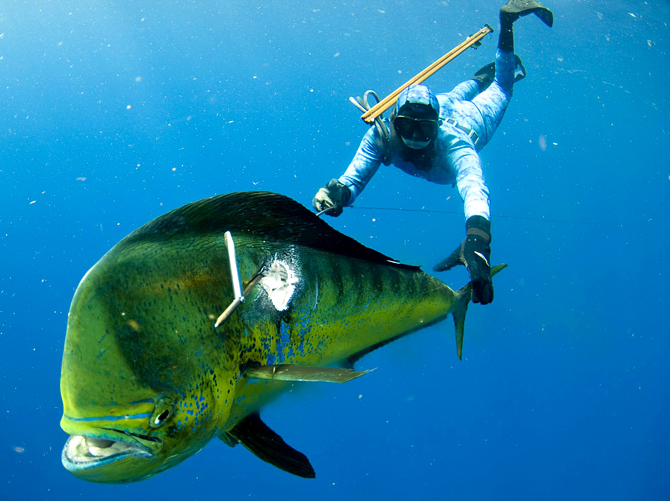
162,412
162,417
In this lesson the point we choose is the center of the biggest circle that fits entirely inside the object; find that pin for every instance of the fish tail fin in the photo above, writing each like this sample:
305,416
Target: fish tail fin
460,308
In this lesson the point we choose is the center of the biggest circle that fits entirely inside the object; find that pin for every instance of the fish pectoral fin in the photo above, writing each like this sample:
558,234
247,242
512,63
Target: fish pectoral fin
287,372
265,444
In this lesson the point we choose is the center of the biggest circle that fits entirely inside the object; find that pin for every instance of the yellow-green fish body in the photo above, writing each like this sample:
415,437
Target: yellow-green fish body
147,380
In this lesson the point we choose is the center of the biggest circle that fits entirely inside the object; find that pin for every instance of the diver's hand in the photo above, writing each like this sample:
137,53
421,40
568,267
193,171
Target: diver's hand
475,253
332,198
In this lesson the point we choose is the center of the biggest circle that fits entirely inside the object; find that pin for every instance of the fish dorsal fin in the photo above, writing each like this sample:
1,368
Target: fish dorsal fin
259,214
265,444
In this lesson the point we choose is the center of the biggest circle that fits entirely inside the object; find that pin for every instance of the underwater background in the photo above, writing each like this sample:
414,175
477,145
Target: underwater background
112,113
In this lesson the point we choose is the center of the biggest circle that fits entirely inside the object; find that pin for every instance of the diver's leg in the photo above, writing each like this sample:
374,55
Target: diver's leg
485,111
485,75
465,91
491,104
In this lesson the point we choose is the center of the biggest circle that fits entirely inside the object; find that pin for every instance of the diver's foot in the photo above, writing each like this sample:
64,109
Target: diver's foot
514,9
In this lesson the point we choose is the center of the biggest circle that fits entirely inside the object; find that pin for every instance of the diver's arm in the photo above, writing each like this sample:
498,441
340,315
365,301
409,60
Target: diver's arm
475,251
470,181
363,166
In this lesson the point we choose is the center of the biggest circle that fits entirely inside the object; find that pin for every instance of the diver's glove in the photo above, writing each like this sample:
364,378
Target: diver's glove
475,253
332,198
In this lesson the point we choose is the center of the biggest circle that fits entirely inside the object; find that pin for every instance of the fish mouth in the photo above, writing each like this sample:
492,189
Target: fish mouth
84,452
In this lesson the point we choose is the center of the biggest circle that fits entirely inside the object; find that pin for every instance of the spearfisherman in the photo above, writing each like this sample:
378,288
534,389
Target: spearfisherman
438,137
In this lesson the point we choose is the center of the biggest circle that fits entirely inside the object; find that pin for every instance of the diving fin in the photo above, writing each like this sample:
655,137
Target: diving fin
265,444
519,69
518,8
287,372
486,74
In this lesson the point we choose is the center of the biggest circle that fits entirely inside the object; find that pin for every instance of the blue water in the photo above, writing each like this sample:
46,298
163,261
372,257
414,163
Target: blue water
113,113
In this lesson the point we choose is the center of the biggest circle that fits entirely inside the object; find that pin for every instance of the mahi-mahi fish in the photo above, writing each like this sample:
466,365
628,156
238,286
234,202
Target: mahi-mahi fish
152,370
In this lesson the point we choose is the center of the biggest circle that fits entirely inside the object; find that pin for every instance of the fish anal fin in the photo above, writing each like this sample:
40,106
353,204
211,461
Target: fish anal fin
265,444
228,439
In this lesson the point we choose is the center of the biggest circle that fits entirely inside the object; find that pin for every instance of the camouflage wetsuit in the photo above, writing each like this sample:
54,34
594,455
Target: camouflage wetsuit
469,119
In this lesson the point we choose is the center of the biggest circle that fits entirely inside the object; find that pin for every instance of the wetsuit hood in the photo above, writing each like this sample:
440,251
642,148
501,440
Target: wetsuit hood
417,101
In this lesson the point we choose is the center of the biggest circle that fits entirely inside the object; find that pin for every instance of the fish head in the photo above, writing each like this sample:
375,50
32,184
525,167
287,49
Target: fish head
123,443
137,399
